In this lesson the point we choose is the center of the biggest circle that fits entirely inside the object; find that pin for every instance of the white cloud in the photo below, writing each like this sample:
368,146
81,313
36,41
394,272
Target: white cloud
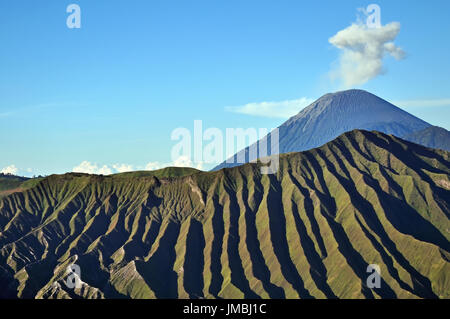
182,161
422,103
185,161
280,109
363,50
122,168
152,166
89,168
93,168
11,169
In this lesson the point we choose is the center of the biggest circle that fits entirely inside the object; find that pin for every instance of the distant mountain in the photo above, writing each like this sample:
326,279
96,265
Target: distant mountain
309,231
336,113
433,136
9,183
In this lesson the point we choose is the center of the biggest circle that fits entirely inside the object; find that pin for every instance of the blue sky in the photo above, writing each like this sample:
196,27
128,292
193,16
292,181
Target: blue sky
113,91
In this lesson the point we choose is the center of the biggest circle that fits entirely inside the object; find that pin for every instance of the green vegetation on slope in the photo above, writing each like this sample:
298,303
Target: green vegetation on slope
162,173
310,231
10,183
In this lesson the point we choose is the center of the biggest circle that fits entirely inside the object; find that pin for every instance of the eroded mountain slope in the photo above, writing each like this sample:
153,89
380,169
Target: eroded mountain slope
309,231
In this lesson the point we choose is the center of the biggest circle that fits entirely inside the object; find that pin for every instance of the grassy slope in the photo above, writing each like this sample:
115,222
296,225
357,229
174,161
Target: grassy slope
161,173
8,182
309,231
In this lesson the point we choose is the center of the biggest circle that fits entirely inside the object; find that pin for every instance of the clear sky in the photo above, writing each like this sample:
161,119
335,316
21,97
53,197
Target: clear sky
112,91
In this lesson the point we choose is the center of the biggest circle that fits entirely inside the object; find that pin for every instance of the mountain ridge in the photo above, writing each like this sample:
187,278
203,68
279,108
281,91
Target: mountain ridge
308,231
334,114
433,136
